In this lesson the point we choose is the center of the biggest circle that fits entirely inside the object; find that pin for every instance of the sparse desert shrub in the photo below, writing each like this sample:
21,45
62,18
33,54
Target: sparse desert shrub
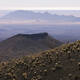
69,75
45,72
58,66
53,69
69,54
24,75
79,65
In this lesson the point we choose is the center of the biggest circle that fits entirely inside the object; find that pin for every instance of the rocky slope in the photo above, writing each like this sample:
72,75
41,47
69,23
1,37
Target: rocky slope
61,63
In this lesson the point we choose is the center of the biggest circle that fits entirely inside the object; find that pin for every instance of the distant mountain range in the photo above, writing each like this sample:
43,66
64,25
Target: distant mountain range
22,15
26,44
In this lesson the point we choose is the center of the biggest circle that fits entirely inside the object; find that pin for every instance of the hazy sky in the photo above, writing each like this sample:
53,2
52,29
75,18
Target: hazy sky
39,4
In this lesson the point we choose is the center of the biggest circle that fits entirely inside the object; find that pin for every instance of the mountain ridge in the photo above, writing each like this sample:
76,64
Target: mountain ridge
26,44
31,15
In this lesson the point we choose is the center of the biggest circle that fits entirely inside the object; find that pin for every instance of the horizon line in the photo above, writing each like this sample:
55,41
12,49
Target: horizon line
43,8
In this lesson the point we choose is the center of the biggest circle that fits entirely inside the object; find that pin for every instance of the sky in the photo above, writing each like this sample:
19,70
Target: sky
40,4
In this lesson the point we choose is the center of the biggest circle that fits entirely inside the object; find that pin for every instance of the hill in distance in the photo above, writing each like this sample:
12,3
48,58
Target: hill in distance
26,44
61,63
